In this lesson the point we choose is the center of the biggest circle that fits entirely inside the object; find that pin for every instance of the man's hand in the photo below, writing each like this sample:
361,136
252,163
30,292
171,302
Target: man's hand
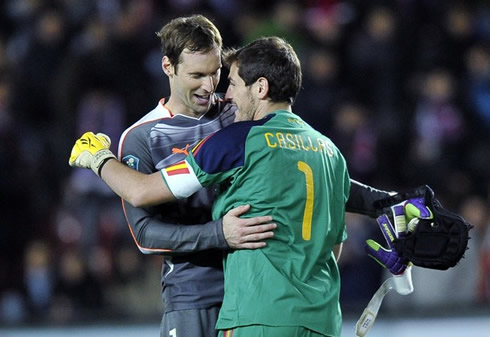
429,235
91,151
388,258
242,233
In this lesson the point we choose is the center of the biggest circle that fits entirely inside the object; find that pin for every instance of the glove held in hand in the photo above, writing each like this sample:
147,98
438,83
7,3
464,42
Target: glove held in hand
437,243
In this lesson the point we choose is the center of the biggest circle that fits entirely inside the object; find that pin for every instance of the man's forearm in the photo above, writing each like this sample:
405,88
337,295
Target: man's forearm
362,198
156,237
139,189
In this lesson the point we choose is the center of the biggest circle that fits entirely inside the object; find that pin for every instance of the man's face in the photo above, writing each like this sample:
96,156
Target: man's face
194,82
241,95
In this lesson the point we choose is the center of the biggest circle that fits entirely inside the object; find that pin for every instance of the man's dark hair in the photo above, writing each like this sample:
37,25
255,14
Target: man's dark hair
272,58
195,33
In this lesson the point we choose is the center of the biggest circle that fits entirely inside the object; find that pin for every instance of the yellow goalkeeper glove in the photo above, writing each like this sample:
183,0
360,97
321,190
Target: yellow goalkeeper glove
91,151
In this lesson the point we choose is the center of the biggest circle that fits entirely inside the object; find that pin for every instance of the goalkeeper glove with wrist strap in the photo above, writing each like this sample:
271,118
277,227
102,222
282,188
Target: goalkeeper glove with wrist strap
91,151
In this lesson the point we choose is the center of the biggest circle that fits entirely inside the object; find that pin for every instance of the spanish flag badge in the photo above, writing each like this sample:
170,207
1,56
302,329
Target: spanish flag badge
178,168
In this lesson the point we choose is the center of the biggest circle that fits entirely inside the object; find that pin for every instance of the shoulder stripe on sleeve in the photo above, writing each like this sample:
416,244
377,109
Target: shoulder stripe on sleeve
225,149
198,146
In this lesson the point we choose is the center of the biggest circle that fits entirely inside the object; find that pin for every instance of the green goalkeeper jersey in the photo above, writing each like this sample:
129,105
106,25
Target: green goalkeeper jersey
284,168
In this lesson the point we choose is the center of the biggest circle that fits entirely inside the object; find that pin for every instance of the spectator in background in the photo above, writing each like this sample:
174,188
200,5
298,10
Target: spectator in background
356,135
477,99
322,89
284,21
39,278
477,88
77,291
137,283
37,71
325,23
438,126
374,66
17,230
101,110
457,37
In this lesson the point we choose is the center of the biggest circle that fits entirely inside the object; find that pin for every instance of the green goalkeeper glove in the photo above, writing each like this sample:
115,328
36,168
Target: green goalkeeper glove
91,151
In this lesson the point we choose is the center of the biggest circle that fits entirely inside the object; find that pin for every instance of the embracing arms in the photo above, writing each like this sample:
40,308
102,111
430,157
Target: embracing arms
152,234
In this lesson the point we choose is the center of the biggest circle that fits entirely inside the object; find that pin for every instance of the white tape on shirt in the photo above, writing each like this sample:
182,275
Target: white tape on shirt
181,180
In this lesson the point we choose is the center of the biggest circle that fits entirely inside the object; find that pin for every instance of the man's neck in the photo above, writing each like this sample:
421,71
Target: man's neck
266,108
177,108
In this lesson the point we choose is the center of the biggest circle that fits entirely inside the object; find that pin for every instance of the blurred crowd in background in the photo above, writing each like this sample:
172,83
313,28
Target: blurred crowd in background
401,86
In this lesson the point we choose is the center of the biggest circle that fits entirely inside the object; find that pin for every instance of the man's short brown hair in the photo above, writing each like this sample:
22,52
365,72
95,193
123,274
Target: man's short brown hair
195,33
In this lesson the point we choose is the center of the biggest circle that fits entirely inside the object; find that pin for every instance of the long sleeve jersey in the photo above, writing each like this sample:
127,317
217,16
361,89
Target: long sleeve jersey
285,168
182,231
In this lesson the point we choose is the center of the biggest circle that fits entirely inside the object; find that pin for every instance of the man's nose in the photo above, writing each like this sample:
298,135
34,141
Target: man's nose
228,95
208,83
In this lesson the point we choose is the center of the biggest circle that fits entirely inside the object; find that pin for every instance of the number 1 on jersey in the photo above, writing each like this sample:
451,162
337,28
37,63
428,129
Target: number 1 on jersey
308,213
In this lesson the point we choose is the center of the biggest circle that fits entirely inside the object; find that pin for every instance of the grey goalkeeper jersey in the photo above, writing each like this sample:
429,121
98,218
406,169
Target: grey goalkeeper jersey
182,231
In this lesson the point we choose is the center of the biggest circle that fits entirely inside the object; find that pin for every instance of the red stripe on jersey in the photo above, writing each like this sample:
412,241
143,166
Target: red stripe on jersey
198,146
178,168
178,171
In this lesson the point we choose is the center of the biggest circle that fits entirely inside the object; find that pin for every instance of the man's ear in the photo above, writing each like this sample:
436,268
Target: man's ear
262,87
167,67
